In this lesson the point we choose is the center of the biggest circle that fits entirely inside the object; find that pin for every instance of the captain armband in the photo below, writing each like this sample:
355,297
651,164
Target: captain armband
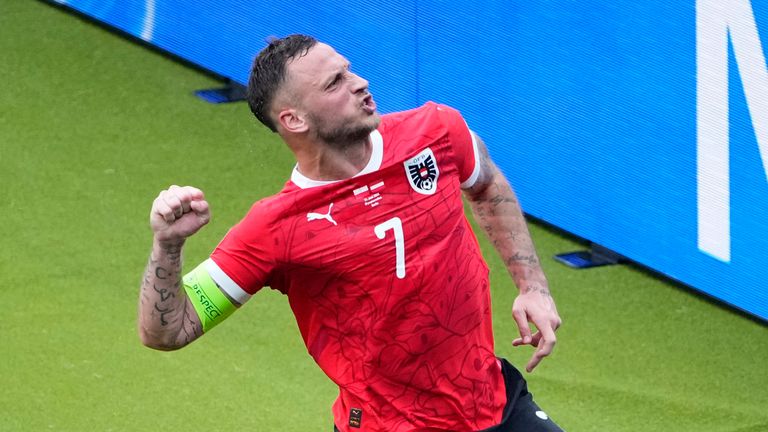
210,303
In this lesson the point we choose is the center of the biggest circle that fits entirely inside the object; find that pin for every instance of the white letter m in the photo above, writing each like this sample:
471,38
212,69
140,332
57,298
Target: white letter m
715,21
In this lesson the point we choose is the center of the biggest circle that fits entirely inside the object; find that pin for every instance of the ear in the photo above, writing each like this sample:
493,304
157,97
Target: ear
292,120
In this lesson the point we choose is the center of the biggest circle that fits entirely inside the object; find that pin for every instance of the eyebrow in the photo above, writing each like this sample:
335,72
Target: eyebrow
330,80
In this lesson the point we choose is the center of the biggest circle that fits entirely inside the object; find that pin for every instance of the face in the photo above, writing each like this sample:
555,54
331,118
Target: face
332,101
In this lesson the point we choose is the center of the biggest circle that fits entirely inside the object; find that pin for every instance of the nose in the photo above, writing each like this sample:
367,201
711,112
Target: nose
359,84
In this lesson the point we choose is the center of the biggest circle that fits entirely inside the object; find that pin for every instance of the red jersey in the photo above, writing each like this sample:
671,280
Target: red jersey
385,278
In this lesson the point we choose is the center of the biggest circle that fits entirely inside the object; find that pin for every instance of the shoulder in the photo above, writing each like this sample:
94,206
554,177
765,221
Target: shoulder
263,215
443,125
430,121
430,111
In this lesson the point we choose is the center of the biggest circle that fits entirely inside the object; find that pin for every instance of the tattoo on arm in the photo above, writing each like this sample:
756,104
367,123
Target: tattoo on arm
164,315
163,312
164,293
160,272
531,259
502,199
535,288
497,210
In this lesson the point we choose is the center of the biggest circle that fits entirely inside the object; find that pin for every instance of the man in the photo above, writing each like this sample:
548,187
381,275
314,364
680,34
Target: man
370,244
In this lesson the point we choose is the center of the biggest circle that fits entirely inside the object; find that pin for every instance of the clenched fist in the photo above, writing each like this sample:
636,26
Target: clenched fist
178,213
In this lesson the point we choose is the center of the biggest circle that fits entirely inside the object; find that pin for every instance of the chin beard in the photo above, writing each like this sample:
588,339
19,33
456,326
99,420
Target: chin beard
347,135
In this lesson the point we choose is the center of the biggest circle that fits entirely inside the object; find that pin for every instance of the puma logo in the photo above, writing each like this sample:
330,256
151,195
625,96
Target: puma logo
327,216
355,417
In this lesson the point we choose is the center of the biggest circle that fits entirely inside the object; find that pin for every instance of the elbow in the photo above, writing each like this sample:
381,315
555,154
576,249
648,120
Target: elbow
151,340
159,346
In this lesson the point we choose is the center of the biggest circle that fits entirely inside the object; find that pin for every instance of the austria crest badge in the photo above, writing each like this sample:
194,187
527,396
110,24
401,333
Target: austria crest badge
422,172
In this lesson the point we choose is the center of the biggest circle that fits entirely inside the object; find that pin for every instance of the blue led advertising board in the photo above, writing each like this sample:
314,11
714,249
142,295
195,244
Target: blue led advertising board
641,126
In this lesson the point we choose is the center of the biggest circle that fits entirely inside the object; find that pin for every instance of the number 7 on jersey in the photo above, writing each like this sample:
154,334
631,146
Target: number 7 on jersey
396,225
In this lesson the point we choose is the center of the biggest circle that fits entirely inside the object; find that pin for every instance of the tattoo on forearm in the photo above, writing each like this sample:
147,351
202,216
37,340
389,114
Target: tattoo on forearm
163,312
501,199
190,330
498,212
164,293
161,273
163,307
528,259
534,288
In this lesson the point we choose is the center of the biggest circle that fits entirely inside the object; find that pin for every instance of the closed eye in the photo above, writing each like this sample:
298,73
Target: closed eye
334,81
338,77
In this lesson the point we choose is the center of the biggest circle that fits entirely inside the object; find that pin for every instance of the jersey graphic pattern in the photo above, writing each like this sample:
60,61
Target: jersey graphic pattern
387,283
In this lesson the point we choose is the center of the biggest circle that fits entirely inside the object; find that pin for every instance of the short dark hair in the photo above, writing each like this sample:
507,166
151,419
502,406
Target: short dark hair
268,73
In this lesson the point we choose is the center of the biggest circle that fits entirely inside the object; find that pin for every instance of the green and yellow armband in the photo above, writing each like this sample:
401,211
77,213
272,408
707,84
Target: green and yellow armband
210,303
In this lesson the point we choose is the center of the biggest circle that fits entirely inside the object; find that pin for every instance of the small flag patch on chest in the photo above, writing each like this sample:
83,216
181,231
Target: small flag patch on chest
422,172
355,417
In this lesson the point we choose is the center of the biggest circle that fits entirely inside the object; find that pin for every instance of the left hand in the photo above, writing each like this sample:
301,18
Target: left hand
536,305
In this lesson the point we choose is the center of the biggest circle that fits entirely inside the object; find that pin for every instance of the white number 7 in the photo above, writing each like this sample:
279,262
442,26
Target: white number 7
396,225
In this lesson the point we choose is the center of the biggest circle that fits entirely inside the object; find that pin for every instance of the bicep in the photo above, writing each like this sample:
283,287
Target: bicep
487,171
211,296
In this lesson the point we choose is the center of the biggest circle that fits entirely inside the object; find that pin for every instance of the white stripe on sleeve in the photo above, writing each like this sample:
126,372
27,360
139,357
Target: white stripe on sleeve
468,183
226,283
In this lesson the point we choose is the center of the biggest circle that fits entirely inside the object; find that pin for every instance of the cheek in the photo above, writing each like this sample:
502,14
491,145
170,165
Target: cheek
334,107
331,103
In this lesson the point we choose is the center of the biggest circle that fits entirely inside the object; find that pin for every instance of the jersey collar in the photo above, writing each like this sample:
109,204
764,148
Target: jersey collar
374,163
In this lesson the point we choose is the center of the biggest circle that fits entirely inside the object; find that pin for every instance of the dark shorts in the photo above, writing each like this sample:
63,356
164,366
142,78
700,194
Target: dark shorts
521,414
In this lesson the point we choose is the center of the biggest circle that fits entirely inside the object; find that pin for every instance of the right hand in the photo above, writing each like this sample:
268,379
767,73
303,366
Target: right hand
538,307
178,213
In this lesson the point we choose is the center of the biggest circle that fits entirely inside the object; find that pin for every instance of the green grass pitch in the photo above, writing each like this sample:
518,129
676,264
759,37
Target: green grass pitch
93,126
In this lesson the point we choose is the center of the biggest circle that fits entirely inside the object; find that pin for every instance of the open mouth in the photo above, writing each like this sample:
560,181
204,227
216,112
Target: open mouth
368,104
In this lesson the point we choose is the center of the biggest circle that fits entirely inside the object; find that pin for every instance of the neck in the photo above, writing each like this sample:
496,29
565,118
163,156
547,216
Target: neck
323,162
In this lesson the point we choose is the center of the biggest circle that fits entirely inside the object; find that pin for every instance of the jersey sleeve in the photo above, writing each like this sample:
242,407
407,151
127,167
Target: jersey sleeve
463,143
243,261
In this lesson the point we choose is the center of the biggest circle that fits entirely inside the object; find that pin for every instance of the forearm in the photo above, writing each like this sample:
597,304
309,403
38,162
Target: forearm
167,320
495,207
498,212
